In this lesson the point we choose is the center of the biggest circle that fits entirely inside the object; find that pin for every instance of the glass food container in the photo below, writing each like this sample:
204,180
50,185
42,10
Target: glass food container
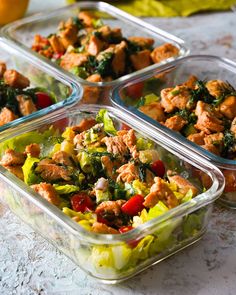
114,258
205,68
22,33
64,90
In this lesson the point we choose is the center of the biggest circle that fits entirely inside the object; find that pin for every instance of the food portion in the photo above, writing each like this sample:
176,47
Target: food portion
94,51
17,98
202,111
110,180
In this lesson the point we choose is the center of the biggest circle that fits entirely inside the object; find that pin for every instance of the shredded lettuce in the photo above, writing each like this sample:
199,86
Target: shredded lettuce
29,175
65,189
144,144
140,187
103,117
149,98
159,209
193,223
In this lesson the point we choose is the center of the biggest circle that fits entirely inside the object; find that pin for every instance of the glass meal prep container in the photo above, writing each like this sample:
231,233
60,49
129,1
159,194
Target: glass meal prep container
62,92
23,32
137,94
112,258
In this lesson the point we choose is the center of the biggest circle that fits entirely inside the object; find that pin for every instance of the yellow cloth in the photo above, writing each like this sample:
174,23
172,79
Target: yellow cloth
168,8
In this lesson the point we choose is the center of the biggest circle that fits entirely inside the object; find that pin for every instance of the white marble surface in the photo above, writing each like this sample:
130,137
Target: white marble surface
29,265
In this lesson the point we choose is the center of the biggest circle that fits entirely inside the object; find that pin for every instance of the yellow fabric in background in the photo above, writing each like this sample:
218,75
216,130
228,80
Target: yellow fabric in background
168,8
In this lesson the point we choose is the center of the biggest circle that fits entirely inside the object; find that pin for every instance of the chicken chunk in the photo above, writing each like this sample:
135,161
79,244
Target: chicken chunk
191,82
127,173
197,138
84,125
172,98
154,110
72,59
175,123
3,68
160,192
68,36
211,148
12,158
6,116
115,145
108,33
62,157
141,59
183,184
15,79
33,150
16,170
230,181
51,172
118,61
216,87
228,107
47,191
91,93
26,105
56,44
208,119
109,167
163,52
233,127
95,45
129,138
87,18
102,228
142,41
215,139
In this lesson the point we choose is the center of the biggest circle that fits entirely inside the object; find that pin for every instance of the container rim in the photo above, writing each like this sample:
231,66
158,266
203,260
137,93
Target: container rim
74,97
7,32
118,102
201,200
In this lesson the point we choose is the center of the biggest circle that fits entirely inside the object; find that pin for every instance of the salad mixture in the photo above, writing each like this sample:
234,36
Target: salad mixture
202,111
17,99
96,52
108,180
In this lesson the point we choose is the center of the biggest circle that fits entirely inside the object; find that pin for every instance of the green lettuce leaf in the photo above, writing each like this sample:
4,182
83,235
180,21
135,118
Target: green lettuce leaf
103,117
28,170
66,189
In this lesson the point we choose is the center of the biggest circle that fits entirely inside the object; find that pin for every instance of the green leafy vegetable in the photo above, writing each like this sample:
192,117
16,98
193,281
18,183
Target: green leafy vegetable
66,189
30,177
103,117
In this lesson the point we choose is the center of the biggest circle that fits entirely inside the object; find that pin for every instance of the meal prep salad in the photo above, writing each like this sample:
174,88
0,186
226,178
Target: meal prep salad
110,180
94,51
202,111
17,99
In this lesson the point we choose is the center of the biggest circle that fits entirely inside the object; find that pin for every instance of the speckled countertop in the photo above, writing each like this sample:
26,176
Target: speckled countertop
29,265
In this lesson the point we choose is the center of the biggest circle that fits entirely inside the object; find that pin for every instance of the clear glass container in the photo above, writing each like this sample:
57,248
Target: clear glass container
66,92
114,258
22,33
205,68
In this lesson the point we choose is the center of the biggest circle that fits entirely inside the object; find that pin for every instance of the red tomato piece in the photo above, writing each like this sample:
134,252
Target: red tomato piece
125,127
135,90
125,228
81,202
158,168
133,206
57,55
43,100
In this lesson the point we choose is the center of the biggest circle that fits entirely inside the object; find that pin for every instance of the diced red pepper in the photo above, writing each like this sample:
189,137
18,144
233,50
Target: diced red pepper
133,206
135,90
81,202
43,100
158,168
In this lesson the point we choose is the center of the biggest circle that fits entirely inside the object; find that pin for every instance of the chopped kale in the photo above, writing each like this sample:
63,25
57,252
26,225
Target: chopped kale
133,47
104,65
188,116
229,140
201,93
78,23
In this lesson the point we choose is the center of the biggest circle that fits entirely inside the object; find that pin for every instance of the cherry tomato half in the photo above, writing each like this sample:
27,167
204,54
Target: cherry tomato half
81,202
133,206
135,90
43,100
158,168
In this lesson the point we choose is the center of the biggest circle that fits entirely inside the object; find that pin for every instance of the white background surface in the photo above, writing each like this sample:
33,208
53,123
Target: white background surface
29,265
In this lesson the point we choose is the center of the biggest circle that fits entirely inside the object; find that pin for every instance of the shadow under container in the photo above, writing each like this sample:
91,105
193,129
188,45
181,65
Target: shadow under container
114,258
64,90
22,33
205,68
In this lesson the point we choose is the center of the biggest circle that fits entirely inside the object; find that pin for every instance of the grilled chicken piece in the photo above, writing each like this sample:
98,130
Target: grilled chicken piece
175,123
12,158
68,36
95,45
115,145
233,127
183,184
127,173
51,172
228,107
6,116
16,170
33,150
160,192
108,33
142,41
56,44
119,58
84,125
15,79
191,82
109,167
129,139
91,93
102,228
230,180
197,138
63,158
154,110
208,119
47,191
141,59
211,148
72,59
26,105
87,18
216,87
163,52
